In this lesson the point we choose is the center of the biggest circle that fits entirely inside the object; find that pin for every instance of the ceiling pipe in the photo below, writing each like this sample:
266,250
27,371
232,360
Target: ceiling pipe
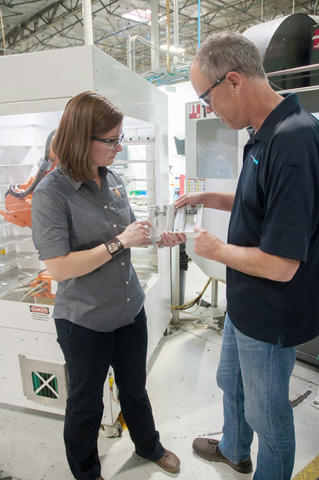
176,29
168,59
198,24
304,68
87,22
154,35
131,45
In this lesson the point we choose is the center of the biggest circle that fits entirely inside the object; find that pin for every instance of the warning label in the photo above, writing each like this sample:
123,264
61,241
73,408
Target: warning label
194,110
39,313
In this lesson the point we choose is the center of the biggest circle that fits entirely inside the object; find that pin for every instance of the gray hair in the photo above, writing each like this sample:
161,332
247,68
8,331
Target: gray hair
229,51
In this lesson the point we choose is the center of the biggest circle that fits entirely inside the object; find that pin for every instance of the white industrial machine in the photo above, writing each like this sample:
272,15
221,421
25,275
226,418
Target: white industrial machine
36,88
213,154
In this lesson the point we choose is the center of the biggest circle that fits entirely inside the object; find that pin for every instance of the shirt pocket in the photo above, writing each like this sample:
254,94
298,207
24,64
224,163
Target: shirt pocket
121,210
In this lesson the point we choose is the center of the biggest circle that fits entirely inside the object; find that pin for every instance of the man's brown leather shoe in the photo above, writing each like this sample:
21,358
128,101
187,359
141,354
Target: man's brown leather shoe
207,448
169,462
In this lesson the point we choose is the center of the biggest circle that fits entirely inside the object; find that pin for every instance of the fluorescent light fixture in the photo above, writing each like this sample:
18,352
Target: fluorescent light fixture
172,48
139,15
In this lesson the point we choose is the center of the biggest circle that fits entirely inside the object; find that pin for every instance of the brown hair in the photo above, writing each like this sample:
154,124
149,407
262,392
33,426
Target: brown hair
87,114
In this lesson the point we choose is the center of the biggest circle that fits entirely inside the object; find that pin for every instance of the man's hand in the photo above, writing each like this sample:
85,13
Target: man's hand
189,199
206,244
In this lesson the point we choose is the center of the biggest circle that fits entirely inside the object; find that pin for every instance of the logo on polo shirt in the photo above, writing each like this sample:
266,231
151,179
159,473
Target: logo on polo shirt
254,159
116,190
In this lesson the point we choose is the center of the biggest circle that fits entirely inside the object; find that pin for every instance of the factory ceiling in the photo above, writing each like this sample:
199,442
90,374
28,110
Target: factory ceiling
33,25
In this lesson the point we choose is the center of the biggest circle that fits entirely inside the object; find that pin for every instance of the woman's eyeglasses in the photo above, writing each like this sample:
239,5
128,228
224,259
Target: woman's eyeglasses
112,142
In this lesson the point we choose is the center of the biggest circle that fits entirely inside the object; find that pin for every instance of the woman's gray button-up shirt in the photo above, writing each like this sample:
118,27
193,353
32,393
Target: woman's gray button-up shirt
72,216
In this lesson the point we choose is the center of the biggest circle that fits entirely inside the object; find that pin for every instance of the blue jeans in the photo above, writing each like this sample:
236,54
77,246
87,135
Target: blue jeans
254,377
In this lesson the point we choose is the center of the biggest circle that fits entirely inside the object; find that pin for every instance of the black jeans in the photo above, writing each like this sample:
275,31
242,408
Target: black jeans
88,355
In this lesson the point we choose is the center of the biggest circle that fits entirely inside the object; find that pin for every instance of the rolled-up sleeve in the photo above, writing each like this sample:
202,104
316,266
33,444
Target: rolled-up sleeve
50,227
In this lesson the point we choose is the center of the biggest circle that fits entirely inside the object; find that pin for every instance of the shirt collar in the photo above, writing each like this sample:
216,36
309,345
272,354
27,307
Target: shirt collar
289,104
103,171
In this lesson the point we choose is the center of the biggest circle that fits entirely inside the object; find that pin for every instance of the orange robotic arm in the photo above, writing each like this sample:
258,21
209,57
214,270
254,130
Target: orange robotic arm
19,197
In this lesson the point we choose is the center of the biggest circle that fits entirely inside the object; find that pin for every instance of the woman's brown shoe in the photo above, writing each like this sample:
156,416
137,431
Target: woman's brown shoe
169,462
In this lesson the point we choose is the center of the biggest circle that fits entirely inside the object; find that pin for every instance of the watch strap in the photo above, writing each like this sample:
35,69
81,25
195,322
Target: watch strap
114,246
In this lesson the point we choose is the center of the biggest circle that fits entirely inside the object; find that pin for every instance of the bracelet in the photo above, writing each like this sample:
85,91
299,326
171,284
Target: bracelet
114,246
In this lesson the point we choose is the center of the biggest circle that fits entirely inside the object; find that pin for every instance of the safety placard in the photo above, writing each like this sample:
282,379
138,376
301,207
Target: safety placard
38,312
194,110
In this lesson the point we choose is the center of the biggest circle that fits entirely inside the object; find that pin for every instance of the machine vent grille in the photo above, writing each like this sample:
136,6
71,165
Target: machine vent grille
45,384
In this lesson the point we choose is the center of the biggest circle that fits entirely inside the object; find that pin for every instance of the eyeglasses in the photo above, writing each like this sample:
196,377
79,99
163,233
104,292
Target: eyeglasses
113,142
203,97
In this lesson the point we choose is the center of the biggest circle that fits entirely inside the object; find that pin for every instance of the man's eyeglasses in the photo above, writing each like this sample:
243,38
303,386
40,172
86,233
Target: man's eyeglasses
203,97
112,142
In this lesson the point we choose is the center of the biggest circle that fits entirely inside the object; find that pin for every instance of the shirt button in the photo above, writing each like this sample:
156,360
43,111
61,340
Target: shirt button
122,263
114,225
128,299
105,206
126,282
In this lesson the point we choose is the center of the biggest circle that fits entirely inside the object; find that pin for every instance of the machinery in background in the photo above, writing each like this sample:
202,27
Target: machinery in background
213,163
284,43
18,204
18,198
32,370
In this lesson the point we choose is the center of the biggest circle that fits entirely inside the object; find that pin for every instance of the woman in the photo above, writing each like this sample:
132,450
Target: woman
83,228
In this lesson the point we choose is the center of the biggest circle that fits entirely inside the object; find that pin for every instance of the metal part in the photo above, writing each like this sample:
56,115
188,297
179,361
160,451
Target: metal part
167,219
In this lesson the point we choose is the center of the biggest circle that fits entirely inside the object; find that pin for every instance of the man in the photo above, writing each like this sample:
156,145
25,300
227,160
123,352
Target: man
272,254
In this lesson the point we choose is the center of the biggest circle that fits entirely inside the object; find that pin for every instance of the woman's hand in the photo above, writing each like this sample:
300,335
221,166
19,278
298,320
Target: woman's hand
170,239
136,234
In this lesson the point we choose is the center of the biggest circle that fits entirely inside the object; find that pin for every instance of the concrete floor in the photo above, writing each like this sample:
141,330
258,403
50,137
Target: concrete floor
186,403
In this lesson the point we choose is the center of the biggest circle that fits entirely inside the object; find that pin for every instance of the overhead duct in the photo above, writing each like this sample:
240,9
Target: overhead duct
285,43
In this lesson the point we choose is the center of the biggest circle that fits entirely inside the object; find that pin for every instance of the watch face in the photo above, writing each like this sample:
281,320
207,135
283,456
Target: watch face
113,247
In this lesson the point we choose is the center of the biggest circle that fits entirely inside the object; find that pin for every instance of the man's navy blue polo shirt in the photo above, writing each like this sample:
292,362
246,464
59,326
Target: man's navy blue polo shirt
276,208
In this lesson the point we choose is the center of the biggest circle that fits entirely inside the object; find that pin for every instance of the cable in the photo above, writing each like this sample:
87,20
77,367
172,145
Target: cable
193,302
42,287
